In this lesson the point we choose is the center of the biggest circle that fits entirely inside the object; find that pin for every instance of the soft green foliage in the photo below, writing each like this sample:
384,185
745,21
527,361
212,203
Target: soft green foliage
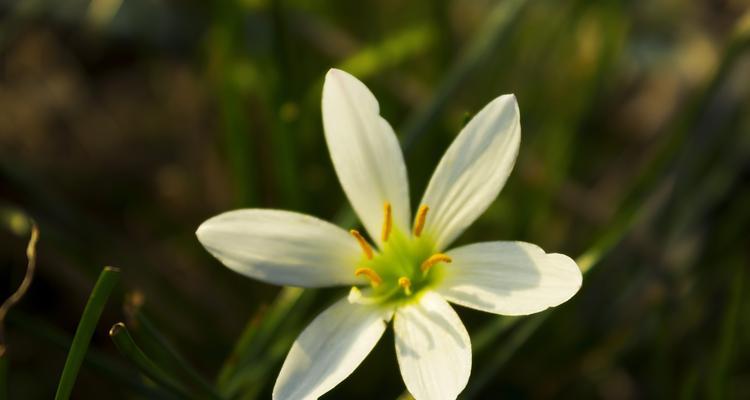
124,124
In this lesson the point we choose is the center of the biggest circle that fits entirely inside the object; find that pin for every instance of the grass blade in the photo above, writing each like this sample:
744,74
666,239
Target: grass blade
130,350
162,349
49,336
490,35
635,201
98,299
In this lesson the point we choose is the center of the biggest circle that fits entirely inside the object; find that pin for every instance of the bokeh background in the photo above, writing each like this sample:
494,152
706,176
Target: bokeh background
126,123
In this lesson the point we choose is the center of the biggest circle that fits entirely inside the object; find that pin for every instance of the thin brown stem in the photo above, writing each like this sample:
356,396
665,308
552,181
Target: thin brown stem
23,287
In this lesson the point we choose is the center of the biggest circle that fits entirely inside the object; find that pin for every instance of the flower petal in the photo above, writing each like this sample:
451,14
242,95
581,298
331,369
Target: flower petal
433,348
473,170
365,152
328,350
282,247
509,278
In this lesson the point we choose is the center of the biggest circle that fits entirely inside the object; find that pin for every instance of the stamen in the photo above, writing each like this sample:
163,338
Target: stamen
362,243
434,259
420,219
387,221
405,283
370,273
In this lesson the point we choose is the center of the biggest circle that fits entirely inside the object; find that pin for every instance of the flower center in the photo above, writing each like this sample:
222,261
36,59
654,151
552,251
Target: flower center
404,266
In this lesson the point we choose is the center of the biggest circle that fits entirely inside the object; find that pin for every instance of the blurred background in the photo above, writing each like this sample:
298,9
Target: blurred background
126,123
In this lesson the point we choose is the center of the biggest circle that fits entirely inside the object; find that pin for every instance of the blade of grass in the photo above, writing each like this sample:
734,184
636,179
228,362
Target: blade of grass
250,379
390,52
167,353
259,331
98,299
223,49
645,183
100,363
130,350
500,357
490,35
717,388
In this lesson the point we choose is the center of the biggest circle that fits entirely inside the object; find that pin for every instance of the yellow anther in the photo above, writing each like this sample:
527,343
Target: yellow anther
405,283
419,219
387,221
362,243
434,259
370,273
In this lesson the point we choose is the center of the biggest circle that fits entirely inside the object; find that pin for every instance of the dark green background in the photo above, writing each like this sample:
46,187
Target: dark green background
125,124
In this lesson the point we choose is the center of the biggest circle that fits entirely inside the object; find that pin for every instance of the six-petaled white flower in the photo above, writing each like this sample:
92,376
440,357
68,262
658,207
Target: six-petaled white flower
410,274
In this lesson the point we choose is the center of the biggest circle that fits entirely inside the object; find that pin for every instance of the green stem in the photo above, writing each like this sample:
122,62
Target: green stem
98,299
130,350
169,353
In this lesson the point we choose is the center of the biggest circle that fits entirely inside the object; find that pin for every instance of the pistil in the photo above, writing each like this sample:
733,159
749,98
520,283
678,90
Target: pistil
405,283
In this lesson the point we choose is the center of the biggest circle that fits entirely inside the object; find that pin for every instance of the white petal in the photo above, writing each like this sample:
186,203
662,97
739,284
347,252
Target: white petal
328,350
473,170
282,247
365,152
509,278
433,348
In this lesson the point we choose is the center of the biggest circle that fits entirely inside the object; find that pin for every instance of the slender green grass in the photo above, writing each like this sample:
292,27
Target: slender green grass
632,206
98,299
491,34
52,338
130,350
264,342
164,353
727,339
223,49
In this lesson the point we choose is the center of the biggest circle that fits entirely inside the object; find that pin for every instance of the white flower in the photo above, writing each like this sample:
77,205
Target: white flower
410,275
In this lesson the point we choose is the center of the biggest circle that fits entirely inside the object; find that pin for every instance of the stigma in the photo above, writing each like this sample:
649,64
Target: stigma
405,283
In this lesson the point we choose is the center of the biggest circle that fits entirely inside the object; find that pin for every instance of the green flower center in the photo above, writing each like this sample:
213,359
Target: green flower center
405,266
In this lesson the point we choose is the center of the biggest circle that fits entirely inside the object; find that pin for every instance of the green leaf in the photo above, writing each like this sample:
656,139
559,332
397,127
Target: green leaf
98,299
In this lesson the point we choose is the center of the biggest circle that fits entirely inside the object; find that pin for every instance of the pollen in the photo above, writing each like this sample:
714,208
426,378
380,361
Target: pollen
405,283
420,219
362,243
387,221
433,260
370,273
